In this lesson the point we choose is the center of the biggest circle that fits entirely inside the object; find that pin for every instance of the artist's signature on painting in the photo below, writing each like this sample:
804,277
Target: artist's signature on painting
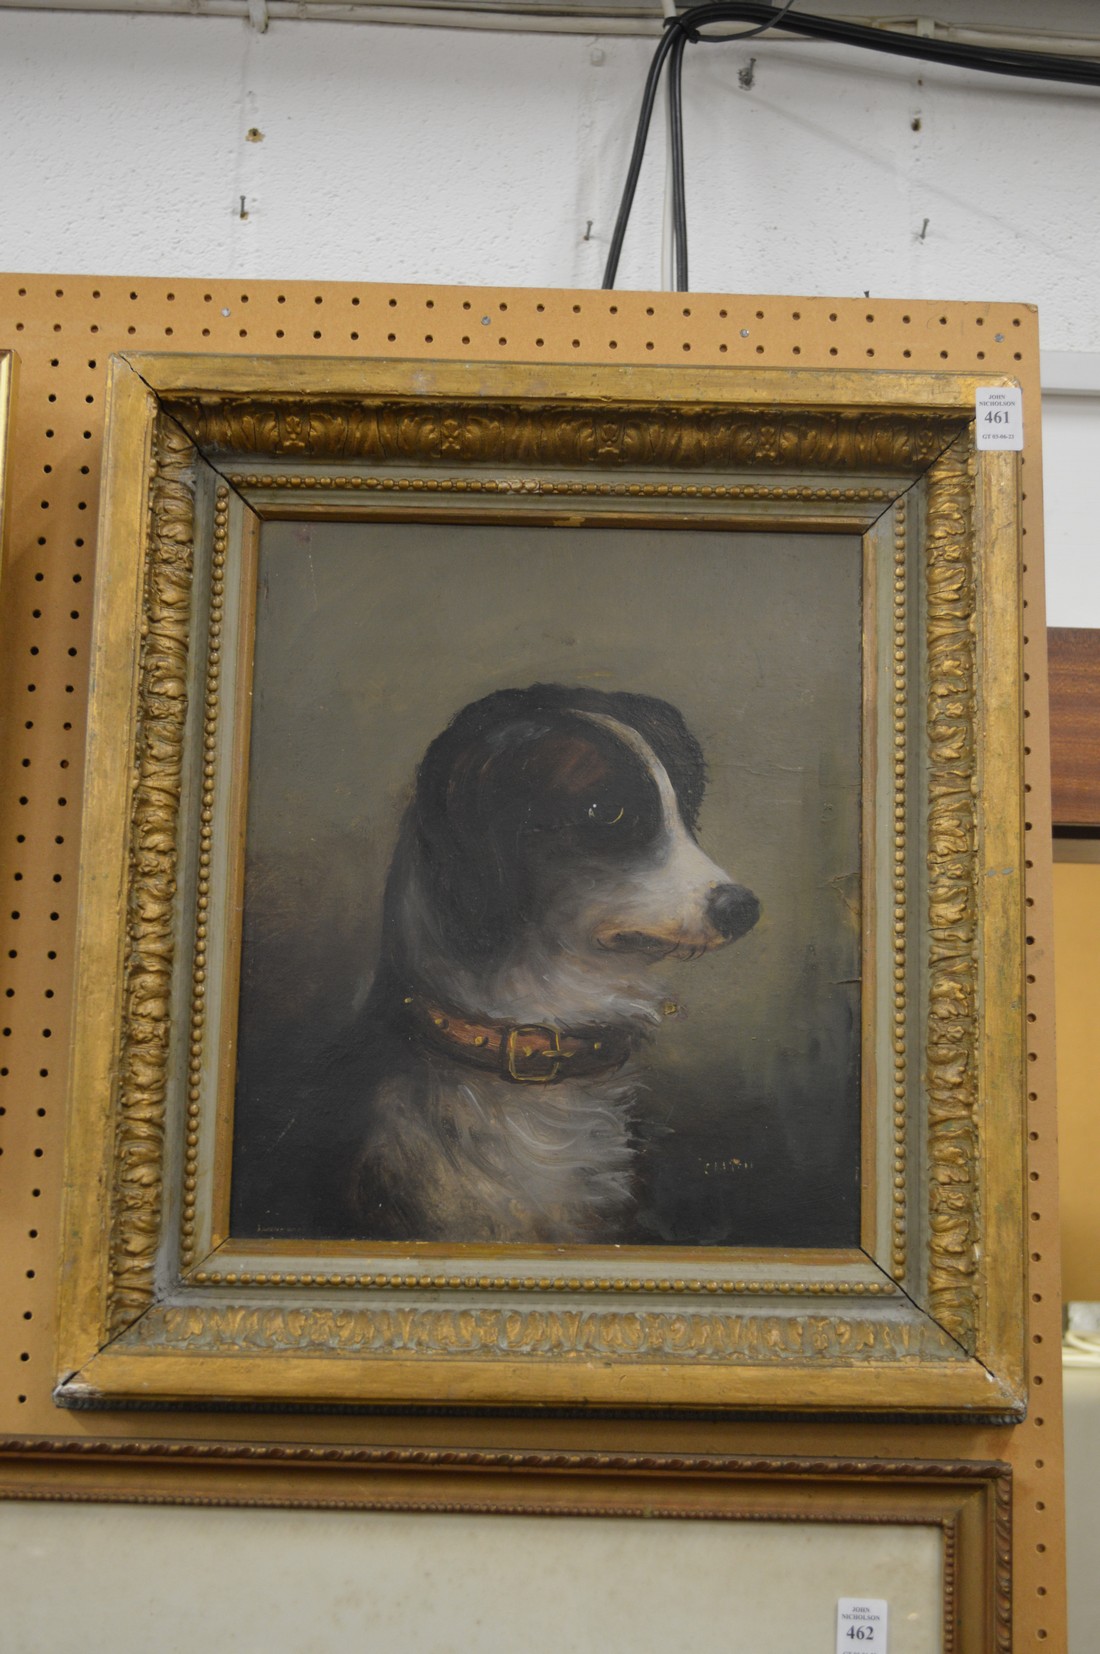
726,1168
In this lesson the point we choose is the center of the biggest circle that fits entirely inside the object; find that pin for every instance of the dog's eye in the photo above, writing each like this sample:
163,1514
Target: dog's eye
606,815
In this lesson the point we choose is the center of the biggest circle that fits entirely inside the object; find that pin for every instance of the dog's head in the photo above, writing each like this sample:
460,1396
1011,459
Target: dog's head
566,816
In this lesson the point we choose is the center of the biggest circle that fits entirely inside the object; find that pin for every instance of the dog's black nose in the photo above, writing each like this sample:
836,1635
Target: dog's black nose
732,910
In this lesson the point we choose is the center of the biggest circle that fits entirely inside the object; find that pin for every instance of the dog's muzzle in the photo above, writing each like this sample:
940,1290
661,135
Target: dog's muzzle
731,911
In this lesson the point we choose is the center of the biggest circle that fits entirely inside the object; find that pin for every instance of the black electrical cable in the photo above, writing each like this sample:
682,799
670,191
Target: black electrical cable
761,28
645,115
687,26
676,138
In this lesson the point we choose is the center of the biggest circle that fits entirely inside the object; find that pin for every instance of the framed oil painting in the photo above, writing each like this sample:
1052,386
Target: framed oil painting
552,903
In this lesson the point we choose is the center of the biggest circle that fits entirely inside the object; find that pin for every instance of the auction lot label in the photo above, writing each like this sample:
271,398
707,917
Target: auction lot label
861,1625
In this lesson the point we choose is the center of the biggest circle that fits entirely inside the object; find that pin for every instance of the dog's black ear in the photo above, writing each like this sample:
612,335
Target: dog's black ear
482,792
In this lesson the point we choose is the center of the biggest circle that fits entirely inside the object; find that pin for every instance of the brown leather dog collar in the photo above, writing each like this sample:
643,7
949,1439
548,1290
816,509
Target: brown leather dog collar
527,1053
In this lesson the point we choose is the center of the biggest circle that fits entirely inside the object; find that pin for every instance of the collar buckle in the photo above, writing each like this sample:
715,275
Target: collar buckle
533,1042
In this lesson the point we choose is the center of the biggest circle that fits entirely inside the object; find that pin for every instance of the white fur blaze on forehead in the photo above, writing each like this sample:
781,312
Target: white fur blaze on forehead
693,867
630,738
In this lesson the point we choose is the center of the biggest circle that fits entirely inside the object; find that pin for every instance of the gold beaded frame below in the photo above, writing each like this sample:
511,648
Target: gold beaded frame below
158,1302
969,1502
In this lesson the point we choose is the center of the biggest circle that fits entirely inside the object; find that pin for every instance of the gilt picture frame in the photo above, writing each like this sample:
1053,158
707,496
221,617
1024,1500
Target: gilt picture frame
9,373
933,1536
295,691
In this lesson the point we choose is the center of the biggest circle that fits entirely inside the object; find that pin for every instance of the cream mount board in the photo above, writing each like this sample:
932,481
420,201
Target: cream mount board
59,328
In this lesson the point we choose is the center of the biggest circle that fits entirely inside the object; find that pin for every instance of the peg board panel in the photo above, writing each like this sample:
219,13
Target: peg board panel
64,329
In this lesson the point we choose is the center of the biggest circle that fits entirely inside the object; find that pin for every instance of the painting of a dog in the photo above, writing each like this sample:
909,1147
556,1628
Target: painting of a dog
551,902
546,868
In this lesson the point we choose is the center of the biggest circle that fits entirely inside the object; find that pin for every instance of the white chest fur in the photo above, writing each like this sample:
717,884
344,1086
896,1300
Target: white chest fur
483,1159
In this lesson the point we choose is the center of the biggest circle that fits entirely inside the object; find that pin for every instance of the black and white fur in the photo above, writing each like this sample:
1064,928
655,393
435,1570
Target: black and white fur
545,866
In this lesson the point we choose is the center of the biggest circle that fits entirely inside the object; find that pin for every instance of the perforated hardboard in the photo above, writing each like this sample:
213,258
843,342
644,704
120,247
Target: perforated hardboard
64,329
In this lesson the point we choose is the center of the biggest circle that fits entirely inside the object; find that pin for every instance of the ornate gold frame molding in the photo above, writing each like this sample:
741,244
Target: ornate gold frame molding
556,432
939,1312
955,1195
150,897
9,375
